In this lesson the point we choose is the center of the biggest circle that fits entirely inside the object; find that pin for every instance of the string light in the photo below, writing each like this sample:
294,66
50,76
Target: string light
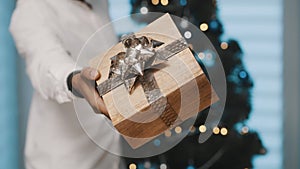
132,166
224,45
203,27
190,167
262,151
183,2
147,164
144,10
216,130
156,142
178,130
164,2
168,133
184,23
187,34
155,2
209,56
201,55
192,129
243,74
202,128
224,131
163,166
245,130
213,24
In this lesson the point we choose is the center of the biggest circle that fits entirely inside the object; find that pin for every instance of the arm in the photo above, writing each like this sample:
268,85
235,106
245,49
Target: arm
48,63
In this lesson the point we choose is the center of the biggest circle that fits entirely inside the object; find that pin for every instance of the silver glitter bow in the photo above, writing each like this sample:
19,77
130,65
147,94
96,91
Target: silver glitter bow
140,55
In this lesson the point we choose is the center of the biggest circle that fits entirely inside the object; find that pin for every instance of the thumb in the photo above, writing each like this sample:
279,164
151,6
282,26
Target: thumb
90,73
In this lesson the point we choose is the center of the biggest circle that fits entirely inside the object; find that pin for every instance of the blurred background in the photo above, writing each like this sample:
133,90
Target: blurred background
269,35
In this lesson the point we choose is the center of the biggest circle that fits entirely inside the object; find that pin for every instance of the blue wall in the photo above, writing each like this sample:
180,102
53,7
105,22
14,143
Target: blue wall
9,144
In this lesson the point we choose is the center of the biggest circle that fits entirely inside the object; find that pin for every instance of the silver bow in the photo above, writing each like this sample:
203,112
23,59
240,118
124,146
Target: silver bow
140,55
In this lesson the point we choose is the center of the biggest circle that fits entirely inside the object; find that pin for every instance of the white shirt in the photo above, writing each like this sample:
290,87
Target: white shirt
49,35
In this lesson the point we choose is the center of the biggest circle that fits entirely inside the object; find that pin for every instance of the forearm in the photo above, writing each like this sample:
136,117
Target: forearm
47,62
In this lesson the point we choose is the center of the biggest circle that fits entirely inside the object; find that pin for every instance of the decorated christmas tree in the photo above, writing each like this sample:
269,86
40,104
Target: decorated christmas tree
232,145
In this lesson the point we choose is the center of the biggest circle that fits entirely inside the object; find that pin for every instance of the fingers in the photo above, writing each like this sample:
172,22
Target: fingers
100,105
85,84
90,74
94,99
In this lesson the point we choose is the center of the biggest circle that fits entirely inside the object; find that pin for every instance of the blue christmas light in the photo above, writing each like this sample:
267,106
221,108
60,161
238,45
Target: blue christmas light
190,167
213,24
140,166
183,2
156,142
243,74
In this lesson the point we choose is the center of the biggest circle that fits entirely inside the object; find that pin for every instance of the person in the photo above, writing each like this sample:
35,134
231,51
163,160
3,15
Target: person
49,34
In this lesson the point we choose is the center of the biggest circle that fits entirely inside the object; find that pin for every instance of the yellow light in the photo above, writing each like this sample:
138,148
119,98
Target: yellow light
216,130
164,2
245,130
202,128
155,2
178,129
224,131
192,129
203,27
132,166
262,151
168,133
224,45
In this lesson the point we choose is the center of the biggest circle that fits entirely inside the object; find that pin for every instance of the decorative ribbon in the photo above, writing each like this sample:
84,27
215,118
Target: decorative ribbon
135,65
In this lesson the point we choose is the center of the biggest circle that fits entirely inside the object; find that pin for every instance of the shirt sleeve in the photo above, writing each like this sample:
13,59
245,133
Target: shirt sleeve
47,62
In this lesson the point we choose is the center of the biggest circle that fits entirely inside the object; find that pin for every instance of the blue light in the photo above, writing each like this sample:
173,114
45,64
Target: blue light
156,142
140,166
243,74
190,167
183,2
213,24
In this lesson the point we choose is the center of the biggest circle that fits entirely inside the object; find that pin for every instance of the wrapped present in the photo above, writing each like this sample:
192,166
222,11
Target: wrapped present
151,82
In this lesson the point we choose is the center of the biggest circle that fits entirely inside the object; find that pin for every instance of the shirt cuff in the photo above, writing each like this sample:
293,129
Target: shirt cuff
62,94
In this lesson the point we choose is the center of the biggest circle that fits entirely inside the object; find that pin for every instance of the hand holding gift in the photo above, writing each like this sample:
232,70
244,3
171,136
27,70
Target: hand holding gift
83,82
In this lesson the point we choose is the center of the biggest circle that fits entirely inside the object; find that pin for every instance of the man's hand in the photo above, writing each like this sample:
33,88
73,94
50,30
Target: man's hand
84,82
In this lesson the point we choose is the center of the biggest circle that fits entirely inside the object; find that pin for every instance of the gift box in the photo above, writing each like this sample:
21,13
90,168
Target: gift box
151,82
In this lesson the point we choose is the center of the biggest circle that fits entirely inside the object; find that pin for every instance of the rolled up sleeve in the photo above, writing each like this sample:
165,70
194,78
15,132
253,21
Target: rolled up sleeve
47,62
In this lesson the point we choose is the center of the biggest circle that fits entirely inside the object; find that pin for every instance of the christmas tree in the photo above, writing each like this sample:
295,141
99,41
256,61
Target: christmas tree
232,145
